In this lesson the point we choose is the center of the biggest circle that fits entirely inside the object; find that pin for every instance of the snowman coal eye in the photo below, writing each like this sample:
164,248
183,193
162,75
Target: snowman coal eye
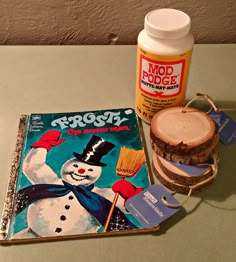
75,165
90,169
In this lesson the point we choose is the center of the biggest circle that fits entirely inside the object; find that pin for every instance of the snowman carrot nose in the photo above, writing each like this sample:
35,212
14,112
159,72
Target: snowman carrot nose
81,170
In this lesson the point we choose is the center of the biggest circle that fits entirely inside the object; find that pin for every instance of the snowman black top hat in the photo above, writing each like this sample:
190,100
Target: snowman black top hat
94,151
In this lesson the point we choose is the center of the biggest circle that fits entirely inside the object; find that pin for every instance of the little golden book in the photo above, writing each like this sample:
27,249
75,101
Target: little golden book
72,174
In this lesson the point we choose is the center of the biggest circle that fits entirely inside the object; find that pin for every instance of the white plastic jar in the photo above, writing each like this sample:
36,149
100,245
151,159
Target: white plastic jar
163,60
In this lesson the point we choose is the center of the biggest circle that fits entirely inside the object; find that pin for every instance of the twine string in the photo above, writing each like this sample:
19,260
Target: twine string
205,97
210,101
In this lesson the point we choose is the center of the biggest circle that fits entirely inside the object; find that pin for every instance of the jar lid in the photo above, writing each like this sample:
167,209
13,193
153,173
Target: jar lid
167,23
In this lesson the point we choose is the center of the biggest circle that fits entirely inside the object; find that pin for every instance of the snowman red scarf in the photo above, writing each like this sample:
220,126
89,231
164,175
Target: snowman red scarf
97,205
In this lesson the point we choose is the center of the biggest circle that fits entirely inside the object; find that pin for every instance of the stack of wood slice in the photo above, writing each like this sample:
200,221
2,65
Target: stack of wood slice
185,136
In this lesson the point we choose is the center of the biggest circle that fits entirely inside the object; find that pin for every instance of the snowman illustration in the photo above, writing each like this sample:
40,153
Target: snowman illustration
70,204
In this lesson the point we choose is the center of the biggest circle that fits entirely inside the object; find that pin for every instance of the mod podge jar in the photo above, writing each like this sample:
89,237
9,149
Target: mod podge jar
163,60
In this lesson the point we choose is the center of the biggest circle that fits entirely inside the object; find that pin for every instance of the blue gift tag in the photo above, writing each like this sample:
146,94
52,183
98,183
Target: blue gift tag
148,208
226,127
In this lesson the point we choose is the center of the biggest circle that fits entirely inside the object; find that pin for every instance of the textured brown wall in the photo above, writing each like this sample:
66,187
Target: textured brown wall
107,22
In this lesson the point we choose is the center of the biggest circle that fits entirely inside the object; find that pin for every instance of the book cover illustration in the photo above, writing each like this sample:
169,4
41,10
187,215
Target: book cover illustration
67,177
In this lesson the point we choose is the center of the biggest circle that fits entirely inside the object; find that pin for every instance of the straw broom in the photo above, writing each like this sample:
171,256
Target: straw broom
128,164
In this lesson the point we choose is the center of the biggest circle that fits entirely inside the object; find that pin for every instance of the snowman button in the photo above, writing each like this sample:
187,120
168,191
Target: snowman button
67,207
58,230
71,197
63,218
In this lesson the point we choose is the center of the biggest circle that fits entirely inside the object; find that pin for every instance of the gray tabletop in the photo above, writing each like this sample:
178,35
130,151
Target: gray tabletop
77,78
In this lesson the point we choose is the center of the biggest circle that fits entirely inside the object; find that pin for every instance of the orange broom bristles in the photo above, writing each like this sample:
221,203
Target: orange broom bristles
129,162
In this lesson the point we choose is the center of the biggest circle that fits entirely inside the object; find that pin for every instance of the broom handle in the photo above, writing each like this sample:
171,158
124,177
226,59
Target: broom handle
111,211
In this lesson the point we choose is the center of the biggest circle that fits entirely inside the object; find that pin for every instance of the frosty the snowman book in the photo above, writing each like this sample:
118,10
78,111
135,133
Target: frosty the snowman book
65,180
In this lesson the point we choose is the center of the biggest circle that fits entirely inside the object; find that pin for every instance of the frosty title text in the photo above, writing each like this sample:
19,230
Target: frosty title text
89,118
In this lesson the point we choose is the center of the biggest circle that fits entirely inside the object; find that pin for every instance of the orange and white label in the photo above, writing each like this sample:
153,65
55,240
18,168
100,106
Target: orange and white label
161,82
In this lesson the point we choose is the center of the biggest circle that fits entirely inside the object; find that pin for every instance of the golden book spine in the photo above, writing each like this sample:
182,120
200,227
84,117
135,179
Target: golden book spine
8,204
